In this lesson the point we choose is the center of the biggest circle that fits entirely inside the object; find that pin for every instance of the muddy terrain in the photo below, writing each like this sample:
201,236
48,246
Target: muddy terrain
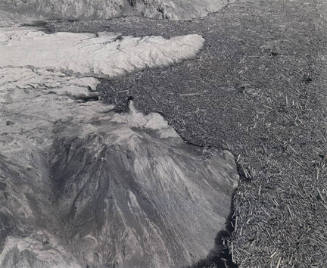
256,88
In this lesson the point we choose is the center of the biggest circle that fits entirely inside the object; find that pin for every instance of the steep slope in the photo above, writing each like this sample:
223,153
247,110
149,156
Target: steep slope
139,198
115,194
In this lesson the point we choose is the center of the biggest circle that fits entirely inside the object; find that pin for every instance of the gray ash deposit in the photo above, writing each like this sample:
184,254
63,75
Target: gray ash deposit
84,186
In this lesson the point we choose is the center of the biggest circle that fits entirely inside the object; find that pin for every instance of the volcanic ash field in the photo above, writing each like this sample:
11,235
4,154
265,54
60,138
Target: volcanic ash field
84,186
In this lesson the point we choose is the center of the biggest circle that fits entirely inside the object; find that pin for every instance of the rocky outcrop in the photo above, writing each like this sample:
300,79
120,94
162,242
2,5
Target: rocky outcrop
160,9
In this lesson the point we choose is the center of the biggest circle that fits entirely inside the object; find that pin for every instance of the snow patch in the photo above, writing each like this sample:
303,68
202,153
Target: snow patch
106,54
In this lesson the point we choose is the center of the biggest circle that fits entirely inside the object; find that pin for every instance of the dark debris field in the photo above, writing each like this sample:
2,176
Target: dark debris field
258,89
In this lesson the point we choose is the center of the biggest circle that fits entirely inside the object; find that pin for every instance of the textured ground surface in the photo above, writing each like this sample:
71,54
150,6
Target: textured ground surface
99,9
257,88
82,185
104,54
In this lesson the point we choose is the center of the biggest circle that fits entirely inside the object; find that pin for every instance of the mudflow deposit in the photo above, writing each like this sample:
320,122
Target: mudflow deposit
82,185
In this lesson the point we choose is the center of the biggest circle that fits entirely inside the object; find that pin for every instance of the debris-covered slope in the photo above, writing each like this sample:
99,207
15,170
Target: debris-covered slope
106,193
160,9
